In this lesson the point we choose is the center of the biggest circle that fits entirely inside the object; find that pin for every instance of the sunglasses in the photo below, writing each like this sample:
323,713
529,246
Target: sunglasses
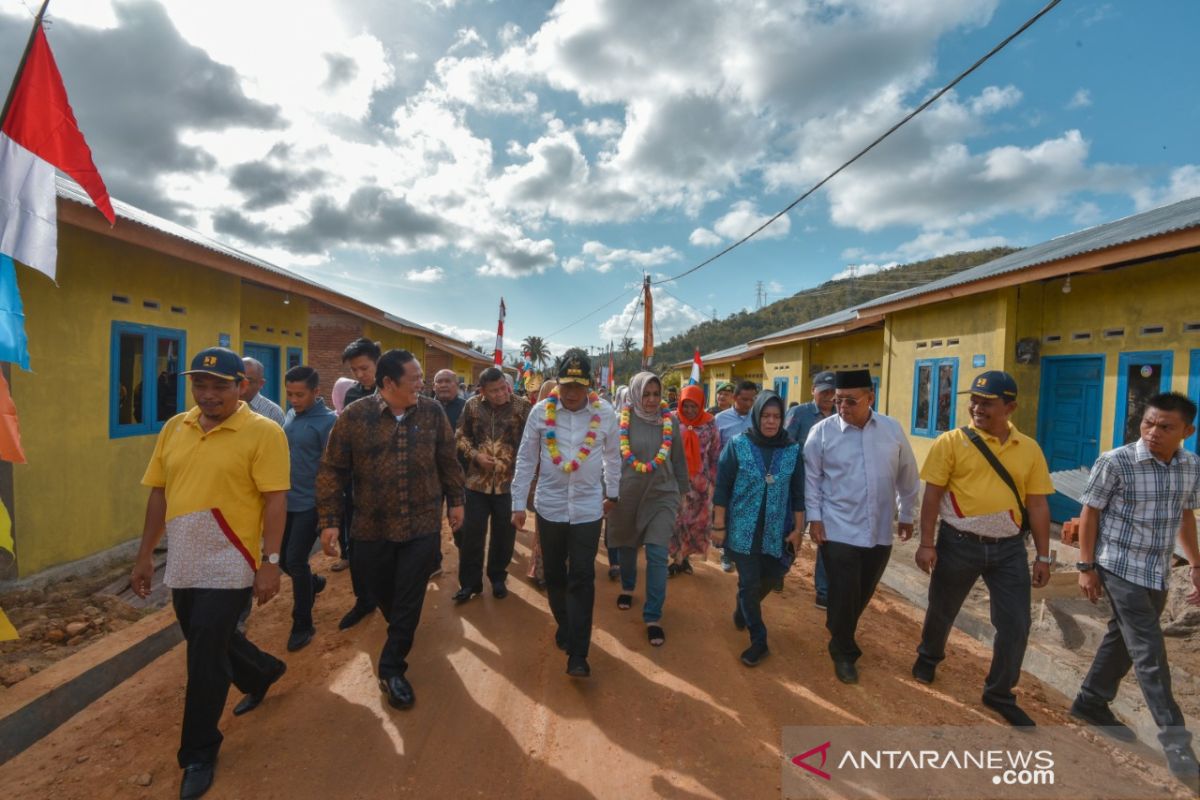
849,402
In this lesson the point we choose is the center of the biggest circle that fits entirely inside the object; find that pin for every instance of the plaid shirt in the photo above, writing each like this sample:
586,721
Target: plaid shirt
1141,502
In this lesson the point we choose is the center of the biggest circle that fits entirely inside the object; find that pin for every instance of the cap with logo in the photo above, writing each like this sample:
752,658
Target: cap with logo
824,381
575,367
994,384
725,386
220,362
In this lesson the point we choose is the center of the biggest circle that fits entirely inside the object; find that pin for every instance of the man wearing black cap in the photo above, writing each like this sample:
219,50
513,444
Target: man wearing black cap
572,437
859,472
798,423
989,484
218,483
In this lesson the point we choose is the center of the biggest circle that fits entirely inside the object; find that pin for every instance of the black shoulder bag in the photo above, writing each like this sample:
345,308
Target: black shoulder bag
987,453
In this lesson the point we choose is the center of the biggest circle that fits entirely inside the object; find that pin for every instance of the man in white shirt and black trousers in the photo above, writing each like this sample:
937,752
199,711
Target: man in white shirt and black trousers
573,436
859,471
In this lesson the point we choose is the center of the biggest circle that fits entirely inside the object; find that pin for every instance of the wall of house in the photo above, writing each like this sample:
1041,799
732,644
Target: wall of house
80,491
858,350
277,319
787,361
394,340
329,331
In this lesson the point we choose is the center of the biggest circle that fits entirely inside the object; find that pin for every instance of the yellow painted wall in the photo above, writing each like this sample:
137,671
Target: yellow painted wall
858,350
394,340
787,361
80,493
266,319
979,323
751,369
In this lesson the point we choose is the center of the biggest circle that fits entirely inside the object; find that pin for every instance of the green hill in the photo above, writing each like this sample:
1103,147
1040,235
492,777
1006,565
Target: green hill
809,304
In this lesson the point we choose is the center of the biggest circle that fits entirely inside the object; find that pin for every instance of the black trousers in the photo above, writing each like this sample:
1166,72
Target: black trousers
217,655
853,573
1004,567
358,581
480,509
1134,639
299,535
397,574
757,574
569,559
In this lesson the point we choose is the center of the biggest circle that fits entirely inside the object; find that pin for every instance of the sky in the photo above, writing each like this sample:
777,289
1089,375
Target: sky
432,156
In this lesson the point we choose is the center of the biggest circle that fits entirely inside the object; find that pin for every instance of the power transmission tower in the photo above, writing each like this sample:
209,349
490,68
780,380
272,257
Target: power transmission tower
760,295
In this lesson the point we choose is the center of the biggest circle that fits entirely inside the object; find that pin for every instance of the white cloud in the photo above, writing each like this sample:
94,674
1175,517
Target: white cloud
927,244
744,217
860,270
670,317
1184,184
604,257
775,288
703,237
427,275
1081,99
573,264
995,98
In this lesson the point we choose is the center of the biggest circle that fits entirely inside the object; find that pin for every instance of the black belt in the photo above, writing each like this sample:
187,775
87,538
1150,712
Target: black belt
975,537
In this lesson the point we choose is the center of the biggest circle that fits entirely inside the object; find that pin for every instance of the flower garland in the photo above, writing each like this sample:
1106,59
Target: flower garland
660,458
589,441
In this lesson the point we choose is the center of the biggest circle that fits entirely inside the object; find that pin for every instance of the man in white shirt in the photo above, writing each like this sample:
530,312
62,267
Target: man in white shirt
572,435
250,391
859,470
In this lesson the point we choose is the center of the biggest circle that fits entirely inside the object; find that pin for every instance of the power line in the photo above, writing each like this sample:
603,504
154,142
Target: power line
592,313
933,99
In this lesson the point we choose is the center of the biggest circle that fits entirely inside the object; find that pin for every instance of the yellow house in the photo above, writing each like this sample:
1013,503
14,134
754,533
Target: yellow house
838,341
733,364
134,302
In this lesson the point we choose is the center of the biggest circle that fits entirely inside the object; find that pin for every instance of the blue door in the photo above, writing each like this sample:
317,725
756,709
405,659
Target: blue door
781,389
268,354
1069,419
1194,393
1140,376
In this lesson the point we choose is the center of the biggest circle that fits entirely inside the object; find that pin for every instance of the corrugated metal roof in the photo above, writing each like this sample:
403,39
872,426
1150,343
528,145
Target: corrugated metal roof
836,318
720,355
1156,222
67,189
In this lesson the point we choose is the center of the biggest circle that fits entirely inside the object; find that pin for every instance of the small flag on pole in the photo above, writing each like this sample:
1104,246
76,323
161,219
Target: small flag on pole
697,368
498,356
612,372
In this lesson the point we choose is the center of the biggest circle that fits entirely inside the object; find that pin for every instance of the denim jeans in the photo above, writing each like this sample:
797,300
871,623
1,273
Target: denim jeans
757,574
1004,567
1134,639
656,578
299,535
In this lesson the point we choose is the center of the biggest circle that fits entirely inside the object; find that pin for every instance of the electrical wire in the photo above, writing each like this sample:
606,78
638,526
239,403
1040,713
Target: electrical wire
908,117
592,313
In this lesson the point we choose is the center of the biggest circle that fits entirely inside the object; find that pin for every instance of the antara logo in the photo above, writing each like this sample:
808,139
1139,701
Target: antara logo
823,749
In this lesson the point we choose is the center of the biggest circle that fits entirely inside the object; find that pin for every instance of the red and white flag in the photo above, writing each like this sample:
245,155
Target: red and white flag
697,368
498,356
38,134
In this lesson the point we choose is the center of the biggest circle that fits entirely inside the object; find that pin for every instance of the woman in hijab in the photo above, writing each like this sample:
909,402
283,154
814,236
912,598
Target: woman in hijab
758,503
338,395
702,446
654,477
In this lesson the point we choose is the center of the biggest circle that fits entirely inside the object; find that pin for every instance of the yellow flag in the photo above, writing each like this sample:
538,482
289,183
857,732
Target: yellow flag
7,631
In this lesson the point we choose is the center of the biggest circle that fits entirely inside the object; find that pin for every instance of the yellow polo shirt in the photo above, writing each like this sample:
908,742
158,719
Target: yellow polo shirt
214,484
973,486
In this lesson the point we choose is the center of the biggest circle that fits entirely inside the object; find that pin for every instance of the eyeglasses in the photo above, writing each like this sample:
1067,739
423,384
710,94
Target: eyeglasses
850,402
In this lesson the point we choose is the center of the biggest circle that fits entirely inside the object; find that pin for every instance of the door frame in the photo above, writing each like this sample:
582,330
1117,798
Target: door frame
1047,387
1193,390
1166,360
274,381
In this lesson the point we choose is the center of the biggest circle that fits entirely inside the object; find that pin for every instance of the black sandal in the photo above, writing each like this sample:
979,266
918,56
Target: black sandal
624,601
685,567
656,635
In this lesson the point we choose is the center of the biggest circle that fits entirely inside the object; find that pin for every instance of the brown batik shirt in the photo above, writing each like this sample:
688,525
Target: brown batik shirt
484,428
401,470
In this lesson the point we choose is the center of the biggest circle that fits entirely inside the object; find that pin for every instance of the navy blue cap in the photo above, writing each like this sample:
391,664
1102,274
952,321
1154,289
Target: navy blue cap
824,381
994,384
218,361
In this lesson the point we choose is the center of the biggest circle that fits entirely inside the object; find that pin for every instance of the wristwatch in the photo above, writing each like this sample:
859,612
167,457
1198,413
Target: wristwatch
611,499
1085,566
1044,560
272,558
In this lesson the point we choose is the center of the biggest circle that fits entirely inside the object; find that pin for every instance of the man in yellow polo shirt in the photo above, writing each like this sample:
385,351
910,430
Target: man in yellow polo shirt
218,485
984,520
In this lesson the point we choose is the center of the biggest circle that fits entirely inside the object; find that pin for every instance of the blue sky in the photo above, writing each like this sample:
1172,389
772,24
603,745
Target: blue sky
432,156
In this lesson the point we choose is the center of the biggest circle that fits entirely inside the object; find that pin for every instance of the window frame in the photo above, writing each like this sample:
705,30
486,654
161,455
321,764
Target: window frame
929,429
151,335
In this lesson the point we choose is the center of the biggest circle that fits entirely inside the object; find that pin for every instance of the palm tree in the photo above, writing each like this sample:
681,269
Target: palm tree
538,352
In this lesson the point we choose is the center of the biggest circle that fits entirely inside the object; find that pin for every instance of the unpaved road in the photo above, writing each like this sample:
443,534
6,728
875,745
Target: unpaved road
496,716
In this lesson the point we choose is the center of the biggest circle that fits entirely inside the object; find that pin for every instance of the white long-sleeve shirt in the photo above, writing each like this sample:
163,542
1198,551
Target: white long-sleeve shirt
574,497
856,478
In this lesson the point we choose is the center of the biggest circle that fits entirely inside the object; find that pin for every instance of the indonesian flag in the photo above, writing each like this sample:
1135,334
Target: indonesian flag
697,367
498,355
38,134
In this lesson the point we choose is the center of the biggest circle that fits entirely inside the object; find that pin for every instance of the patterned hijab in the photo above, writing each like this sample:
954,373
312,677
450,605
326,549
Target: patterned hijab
691,441
637,388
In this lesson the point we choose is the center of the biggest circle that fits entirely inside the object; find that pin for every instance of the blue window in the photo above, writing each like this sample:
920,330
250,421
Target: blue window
295,357
1140,376
935,387
145,389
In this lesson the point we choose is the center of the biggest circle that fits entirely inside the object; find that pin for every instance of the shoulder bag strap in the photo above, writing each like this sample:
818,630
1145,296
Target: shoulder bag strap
987,453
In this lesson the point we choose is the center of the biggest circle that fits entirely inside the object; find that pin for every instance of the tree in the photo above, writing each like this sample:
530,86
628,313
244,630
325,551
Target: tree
538,352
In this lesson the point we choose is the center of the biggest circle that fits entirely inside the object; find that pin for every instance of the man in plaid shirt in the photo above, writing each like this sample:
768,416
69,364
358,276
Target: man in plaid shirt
1139,497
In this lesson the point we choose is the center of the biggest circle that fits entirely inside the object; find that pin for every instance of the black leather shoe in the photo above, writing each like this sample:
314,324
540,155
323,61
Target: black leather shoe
923,672
399,692
1182,763
499,590
753,655
739,621
197,778
1102,718
577,667
846,672
464,594
252,701
1011,713
318,584
298,640
353,617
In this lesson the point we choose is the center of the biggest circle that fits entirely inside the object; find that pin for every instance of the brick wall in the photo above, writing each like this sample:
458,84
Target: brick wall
329,331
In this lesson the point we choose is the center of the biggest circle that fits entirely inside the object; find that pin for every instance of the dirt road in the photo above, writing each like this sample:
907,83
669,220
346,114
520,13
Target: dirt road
496,716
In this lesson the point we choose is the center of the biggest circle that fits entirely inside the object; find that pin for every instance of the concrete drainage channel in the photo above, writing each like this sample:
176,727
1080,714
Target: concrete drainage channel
1067,629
